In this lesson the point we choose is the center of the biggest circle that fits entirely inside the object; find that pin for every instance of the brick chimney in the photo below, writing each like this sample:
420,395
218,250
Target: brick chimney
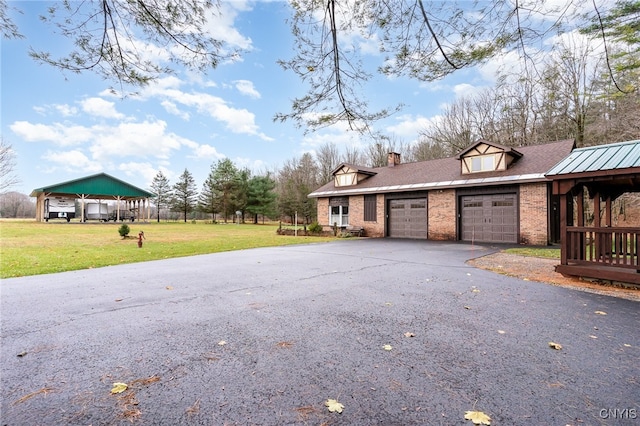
393,159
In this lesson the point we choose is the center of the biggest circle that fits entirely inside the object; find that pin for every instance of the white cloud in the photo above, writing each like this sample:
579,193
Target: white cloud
342,139
135,140
221,25
409,126
136,169
100,108
465,90
60,134
236,120
256,167
172,108
246,88
207,152
70,161
66,110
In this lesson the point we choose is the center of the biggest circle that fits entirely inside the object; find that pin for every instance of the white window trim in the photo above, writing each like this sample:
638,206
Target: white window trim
483,165
342,219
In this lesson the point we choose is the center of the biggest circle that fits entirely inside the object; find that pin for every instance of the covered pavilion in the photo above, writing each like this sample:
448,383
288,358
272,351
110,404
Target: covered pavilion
592,178
101,187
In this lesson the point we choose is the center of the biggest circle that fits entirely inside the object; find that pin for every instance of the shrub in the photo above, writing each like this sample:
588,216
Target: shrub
124,230
315,228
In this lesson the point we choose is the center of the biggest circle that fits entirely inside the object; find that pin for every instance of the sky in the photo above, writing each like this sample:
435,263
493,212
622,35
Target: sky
64,126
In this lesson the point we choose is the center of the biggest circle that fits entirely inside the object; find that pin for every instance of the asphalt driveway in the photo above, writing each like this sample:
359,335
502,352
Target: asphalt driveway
266,336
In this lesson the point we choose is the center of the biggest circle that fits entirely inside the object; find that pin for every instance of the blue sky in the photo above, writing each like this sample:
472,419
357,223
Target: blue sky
63,126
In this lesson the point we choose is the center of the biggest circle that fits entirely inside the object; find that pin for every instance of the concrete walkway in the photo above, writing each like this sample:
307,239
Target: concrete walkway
266,336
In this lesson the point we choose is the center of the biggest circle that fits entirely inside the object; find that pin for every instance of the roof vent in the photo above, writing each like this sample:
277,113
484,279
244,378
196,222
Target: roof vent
393,159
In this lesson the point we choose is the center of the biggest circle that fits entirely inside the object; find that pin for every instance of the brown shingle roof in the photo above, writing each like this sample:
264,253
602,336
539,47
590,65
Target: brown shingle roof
446,173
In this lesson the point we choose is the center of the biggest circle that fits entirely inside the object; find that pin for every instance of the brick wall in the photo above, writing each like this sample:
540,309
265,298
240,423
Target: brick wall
534,214
356,215
323,211
356,210
442,215
376,229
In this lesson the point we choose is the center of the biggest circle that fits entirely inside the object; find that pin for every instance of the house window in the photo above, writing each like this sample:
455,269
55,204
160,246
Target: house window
345,179
370,212
339,211
483,163
339,216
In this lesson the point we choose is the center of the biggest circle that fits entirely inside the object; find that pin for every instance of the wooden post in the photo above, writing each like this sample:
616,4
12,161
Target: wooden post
564,240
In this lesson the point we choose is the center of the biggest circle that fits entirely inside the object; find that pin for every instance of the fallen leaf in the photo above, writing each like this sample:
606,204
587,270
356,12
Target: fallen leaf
467,307
169,287
556,346
119,388
600,313
21,354
409,334
334,406
387,347
222,343
475,290
119,300
388,304
477,417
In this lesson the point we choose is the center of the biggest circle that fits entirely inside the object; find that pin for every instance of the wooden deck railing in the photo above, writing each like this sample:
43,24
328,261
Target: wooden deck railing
608,246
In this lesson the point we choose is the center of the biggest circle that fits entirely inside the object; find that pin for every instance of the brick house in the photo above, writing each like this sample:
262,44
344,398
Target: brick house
487,193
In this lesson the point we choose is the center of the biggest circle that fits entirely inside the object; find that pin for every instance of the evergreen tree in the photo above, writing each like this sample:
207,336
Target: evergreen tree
184,194
261,198
207,199
162,190
226,182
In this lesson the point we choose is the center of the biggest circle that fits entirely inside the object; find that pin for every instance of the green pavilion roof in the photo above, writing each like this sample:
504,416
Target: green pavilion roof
100,185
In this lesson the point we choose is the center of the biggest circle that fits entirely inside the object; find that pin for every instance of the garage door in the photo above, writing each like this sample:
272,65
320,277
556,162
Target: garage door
408,218
490,218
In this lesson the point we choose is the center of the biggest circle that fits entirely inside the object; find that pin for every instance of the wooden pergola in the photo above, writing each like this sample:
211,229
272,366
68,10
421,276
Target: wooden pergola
596,177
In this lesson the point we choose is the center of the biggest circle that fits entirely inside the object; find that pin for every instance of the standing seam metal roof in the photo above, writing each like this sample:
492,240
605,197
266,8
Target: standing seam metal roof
613,156
98,185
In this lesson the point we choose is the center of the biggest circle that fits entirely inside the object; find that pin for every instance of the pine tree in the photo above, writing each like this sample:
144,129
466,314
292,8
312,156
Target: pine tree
261,198
184,194
162,190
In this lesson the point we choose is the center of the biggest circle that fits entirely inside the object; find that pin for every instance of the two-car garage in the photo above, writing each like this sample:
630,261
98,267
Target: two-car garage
482,218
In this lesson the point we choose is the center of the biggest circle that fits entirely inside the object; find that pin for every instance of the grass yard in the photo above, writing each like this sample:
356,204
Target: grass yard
547,253
28,247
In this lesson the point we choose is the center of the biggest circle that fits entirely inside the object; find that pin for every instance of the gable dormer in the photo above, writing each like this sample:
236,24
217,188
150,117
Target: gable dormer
349,175
485,156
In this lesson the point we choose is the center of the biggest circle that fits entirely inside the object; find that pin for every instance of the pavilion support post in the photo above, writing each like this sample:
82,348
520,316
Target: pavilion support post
580,243
82,198
118,203
564,237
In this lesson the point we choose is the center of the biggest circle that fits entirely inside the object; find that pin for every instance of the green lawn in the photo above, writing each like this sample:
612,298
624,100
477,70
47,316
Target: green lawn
30,248
550,253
